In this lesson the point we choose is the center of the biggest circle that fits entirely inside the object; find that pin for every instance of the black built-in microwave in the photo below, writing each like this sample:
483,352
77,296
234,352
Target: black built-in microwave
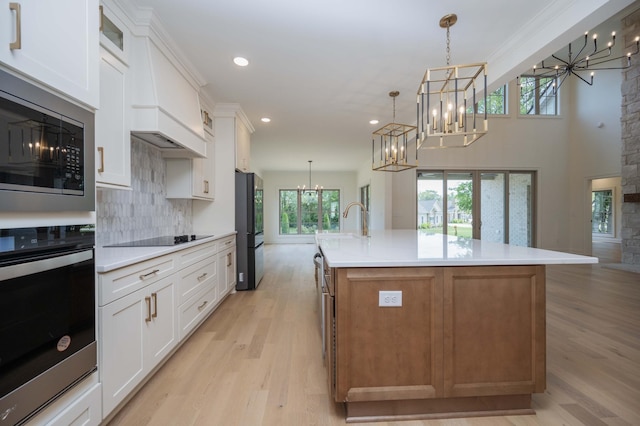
46,150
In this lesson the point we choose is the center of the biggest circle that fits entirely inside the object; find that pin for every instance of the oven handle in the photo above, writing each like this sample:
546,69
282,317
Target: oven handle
30,268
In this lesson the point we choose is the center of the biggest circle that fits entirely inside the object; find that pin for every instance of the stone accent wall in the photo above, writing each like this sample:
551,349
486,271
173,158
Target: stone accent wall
631,145
144,211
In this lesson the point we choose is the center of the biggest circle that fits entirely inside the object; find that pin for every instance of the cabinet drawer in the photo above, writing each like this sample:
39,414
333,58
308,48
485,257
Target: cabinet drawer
195,254
196,309
195,277
120,282
226,242
86,410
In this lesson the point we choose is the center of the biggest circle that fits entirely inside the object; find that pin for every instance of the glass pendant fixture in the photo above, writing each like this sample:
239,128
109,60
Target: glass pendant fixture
390,148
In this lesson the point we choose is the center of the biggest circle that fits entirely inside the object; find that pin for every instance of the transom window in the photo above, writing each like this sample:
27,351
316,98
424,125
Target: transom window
538,95
496,102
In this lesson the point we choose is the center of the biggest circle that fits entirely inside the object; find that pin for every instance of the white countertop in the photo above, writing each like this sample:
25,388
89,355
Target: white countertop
110,258
391,248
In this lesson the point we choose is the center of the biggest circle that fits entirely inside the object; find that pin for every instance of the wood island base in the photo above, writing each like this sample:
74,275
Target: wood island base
423,409
463,342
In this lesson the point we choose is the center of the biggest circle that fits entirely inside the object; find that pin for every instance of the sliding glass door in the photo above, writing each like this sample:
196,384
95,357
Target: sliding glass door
448,202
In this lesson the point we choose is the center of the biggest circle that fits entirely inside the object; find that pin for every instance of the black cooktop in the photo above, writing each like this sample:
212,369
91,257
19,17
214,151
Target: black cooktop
167,240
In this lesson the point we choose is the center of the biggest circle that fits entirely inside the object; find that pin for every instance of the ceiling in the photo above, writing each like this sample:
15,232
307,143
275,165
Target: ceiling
322,69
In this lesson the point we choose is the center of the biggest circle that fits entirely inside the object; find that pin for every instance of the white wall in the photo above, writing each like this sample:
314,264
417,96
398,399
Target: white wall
381,205
275,181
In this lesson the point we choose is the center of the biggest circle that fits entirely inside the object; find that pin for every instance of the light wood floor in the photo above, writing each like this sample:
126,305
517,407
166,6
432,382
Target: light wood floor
257,361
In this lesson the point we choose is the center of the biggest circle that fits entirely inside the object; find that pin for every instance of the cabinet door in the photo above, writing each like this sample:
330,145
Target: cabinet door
227,262
243,147
187,178
402,345
113,140
58,44
494,330
122,328
162,329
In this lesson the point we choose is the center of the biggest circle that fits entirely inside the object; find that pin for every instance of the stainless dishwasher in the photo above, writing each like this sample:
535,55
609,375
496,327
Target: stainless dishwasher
319,277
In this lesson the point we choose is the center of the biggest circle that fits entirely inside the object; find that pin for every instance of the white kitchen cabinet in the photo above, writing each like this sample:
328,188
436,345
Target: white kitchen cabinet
194,278
227,265
54,43
147,308
243,147
193,178
137,332
113,131
196,309
189,178
85,410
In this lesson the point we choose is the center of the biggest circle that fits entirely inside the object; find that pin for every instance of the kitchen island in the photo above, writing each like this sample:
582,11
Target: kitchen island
432,326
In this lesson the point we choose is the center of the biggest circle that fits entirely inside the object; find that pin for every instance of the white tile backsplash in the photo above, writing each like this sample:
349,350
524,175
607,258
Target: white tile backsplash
144,211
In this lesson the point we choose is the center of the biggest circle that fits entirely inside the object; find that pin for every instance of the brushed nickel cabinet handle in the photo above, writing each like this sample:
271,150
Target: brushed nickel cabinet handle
228,259
201,307
148,302
17,44
155,305
201,277
206,186
143,276
101,151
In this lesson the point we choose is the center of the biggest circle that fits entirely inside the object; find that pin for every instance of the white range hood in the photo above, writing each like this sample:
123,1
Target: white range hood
165,103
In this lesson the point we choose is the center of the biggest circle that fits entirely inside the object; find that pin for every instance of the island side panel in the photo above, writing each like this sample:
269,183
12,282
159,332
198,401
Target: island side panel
389,353
494,331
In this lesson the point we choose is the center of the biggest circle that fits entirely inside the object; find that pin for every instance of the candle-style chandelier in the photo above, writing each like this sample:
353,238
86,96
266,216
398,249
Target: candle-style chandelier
555,70
309,190
447,102
393,145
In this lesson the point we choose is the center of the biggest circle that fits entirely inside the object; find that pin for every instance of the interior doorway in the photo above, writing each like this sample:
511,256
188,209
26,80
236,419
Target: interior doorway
606,219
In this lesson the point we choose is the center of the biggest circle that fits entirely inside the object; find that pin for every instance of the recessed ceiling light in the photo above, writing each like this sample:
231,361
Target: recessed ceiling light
374,122
240,61
265,119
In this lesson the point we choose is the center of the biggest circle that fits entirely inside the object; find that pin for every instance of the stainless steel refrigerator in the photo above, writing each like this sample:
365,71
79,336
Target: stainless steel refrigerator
249,226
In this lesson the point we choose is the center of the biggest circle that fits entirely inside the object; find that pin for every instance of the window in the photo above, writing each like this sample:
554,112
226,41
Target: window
538,95
496,102
602,212
305,212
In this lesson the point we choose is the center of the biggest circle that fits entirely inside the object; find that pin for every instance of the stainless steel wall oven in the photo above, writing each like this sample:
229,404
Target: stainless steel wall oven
46,150
47,315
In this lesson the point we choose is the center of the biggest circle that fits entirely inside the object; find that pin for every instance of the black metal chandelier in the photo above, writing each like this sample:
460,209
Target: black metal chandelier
585,61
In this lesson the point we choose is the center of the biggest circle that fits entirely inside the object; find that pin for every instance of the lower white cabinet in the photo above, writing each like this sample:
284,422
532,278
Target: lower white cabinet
137,332
85,411
197,308
227,262
148,308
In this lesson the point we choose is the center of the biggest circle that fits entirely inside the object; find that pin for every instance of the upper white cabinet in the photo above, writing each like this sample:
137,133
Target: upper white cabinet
113,137
190,178
243,147
54,43
113,126
194,178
